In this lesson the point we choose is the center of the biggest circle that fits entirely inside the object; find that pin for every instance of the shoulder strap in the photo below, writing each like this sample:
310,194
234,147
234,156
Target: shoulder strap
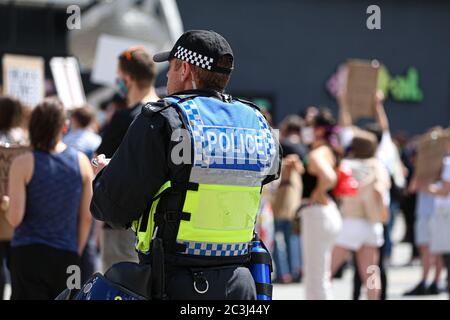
249,103
151,108
184,97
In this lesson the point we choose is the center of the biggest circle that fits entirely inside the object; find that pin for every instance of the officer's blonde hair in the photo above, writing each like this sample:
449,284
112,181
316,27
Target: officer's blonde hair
206,79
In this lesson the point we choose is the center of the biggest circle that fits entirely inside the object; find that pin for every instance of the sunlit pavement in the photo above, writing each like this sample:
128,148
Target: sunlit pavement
400,278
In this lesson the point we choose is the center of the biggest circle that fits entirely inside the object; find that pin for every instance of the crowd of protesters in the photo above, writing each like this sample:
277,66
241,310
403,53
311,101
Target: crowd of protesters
46,224
354,180
341,187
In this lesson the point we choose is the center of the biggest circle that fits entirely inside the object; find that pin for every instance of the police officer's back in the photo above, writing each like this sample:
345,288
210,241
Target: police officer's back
188,175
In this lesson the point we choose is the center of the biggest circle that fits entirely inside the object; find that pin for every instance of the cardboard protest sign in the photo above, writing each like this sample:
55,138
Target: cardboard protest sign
6,157
23,78
362,80
66,75
108,49
431,149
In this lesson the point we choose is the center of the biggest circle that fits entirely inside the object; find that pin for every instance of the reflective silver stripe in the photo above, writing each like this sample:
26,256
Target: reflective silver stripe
226,177
216,249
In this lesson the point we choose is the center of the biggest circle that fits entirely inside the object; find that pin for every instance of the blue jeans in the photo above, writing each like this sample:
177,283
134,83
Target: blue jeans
287,255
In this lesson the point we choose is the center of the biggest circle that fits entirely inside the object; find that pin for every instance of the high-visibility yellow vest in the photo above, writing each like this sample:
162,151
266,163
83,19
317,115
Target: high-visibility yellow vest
233,151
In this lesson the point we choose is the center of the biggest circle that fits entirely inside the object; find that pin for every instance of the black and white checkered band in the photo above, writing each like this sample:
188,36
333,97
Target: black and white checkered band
194,58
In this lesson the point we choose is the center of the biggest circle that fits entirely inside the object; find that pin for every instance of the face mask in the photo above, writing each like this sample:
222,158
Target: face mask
307,134
121,87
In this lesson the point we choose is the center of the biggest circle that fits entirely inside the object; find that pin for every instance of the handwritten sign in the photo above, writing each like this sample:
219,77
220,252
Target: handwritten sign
431,149
66,75
7,155
362,83
24,78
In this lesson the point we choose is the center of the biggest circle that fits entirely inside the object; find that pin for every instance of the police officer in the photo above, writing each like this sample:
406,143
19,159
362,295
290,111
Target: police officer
188,176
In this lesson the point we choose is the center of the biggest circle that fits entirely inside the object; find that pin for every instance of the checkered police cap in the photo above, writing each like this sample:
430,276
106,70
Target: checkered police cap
200,48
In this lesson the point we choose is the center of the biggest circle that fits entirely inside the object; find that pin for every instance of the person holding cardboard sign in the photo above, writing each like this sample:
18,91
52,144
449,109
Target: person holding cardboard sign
431,149
12,140
386,152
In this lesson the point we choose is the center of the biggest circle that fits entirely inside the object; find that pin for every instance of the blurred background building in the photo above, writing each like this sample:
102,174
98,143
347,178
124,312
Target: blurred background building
286,51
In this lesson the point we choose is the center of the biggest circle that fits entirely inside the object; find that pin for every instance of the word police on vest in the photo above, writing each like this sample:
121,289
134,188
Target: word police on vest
241,147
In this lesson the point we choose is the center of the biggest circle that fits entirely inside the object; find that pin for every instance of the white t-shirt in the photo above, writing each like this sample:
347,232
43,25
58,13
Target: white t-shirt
386,152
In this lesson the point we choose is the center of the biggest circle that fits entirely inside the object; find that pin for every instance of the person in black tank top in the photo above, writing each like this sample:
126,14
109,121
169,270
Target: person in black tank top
321,220
49,194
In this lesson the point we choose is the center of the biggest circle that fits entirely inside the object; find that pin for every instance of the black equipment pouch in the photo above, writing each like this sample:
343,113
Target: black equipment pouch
158,273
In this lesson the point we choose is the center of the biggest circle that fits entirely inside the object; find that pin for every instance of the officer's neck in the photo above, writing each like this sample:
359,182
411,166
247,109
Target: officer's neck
136,95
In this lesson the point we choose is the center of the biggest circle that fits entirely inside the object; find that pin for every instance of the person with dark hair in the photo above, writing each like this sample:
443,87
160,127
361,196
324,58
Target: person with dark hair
194,217
136,74
287,197
11,111
81,136
424,211
321,220
389,156
84,139
49,194
12,136
364,212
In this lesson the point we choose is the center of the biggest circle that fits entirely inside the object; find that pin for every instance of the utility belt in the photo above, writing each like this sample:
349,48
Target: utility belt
232,281
132,281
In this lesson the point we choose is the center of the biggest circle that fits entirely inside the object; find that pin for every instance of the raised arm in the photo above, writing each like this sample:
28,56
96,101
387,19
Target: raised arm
345,118
380,112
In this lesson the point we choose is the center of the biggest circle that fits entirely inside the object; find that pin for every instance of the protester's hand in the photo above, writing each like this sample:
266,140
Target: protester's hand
99,162
416,185
4,203
290,163
431,188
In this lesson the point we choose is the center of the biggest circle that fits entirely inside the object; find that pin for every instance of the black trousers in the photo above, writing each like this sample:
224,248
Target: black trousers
447,265
39,272
218,283
4,260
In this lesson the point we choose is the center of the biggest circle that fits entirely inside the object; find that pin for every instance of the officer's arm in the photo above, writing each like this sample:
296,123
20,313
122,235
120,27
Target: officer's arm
135,173
275,170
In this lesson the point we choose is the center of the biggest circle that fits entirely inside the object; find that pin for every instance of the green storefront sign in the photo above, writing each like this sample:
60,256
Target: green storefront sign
401,88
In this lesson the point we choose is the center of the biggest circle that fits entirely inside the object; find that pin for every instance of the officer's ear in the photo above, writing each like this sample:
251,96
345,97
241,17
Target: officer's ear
185,71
